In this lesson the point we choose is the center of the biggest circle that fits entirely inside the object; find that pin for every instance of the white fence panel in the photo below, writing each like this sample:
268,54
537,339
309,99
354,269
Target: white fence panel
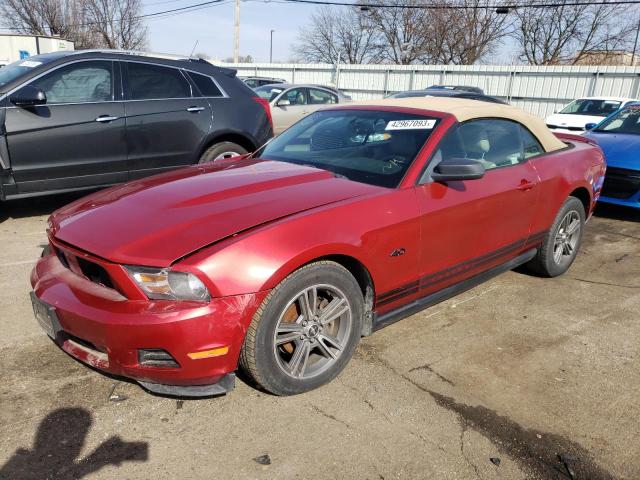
539,90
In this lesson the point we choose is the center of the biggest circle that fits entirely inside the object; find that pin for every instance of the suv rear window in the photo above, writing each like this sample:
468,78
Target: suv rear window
151,82
205,84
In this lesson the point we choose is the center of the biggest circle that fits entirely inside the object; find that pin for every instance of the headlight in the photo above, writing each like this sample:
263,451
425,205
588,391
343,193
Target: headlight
166,284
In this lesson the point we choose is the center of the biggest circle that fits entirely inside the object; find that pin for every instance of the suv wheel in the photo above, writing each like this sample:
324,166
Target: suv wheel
222,150
306,330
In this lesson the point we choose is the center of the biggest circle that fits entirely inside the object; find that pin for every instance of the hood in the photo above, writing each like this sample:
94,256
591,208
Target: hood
577,121
158,220
621,150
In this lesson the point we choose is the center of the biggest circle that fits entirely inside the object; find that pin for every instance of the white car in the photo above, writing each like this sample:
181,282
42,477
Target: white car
574,117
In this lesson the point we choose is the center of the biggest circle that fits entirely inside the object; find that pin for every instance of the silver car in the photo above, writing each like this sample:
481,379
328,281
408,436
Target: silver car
290,103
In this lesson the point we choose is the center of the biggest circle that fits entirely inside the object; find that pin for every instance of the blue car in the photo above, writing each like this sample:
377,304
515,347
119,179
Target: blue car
619,137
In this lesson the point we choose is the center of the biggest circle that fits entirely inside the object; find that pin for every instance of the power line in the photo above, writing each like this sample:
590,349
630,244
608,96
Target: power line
454,6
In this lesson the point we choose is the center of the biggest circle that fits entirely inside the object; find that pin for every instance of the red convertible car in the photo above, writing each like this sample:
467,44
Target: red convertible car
278,262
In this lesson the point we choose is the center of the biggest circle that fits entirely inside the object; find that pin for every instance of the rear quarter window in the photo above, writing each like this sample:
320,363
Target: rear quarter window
205,84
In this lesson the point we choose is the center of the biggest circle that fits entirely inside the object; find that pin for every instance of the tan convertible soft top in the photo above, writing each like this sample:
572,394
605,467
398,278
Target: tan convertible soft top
464,110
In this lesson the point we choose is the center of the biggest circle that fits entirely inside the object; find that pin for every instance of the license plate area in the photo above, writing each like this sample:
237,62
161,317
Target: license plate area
45,316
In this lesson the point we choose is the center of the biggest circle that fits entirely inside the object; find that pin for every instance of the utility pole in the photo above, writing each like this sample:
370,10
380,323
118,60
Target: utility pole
271,48
635,46
236,46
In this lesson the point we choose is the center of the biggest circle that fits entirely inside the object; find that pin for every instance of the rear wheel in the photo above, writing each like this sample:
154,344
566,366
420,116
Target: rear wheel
222,150
306,330
562,242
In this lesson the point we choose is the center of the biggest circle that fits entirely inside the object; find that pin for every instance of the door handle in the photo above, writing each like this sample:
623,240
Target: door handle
106,118
526,185
195,109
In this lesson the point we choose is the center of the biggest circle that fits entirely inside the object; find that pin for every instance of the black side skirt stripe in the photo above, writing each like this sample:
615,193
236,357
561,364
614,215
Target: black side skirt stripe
442,276
380,321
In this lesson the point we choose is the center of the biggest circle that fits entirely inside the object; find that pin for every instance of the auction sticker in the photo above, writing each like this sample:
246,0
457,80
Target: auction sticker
411,125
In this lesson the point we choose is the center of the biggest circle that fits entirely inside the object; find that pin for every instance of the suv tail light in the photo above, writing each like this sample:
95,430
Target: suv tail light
267,108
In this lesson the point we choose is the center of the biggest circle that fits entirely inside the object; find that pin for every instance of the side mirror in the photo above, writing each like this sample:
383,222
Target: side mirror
590,126
28,97
283,103
457,169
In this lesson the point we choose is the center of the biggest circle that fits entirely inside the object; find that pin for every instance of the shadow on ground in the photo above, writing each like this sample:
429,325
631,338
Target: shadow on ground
617,212
30,207
57,447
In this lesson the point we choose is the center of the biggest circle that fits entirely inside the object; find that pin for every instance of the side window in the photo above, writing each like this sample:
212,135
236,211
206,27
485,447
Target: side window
530,145
206,85
296,96
150,82
494,143
80,82
321,97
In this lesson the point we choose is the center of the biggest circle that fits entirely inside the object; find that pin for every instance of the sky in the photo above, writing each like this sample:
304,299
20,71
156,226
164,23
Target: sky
212,28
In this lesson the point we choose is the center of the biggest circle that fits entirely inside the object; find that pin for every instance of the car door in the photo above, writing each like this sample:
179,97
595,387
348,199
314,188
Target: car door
288,108
468,227
319,98
165,122
74,140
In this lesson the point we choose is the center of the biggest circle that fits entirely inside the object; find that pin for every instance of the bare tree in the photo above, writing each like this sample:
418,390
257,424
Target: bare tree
117,23
571,33
465,36
334,33
88,23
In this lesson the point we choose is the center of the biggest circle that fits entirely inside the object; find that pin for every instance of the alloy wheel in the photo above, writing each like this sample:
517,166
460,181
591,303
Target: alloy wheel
312,331
567,237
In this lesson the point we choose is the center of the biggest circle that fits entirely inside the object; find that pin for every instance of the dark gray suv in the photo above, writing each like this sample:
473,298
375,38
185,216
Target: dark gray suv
78,120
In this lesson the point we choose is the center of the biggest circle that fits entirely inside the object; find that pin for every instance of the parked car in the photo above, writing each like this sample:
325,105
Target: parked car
575,116
619,137
86,119
448,93
280,261
464,88
255,82
290,103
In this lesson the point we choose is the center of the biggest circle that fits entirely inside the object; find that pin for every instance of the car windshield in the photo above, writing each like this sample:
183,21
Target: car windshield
590,106
374,147
268,92
16,69
626,120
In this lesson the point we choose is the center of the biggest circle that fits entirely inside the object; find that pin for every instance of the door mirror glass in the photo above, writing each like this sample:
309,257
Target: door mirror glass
284,102
590,126
28,96
457,169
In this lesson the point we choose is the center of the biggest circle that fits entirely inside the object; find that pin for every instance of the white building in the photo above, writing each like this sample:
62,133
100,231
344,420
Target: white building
15,47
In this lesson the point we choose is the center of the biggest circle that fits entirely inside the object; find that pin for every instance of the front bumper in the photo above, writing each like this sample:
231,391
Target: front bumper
104,329
621,187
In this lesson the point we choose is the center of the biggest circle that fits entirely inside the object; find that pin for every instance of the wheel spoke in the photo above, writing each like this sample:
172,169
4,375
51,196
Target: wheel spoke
573,227
288,338
557,253
308,302
336,307
298,363
289,327
327,343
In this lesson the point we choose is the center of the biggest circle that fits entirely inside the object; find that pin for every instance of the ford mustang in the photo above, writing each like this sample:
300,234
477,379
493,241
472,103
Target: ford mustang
619,137
278,262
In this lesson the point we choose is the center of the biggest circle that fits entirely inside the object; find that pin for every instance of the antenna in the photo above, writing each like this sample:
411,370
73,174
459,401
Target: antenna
194,48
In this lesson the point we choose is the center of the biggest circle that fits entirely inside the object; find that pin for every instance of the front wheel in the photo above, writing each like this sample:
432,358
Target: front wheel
306,330
562,242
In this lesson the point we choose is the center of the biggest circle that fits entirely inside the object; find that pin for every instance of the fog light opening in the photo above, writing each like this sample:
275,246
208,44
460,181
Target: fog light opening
156,357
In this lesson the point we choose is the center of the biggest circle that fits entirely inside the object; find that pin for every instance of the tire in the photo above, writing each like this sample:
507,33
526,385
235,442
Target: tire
316,351
221,150
551,261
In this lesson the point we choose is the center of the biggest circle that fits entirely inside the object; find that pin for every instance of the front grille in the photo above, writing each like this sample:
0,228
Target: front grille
573,129
621,183
90,270
94,272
